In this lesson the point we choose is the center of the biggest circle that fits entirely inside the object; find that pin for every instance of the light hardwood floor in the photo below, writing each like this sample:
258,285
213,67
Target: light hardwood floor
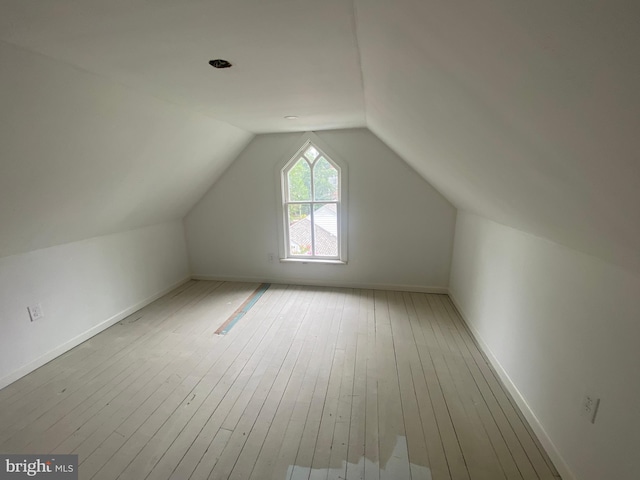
312,383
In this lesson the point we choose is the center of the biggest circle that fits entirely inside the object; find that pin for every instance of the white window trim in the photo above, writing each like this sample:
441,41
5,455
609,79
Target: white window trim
292,154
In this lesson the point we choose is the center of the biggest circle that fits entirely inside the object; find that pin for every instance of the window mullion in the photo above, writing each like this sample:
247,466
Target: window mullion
324,206
313,222
313,231
312,190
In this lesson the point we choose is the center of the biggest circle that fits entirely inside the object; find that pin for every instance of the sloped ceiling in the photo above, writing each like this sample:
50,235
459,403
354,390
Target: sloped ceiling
524,112
81,156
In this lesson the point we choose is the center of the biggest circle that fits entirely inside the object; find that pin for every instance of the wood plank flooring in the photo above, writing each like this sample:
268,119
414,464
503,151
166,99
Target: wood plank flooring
312,383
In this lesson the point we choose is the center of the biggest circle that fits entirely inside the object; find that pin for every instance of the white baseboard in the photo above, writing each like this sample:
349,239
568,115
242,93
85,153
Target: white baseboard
526,410
74,342
322,283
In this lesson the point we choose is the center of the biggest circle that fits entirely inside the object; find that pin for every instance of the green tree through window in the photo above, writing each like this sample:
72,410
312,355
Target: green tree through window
311,205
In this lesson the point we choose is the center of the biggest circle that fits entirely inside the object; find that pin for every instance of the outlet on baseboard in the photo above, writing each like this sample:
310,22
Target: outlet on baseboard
35,312
589,407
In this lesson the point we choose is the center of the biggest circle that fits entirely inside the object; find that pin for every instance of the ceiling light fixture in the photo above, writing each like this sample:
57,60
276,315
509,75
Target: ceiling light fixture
291,117
219,63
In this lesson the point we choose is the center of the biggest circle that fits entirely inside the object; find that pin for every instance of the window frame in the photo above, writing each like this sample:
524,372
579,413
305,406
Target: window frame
283,167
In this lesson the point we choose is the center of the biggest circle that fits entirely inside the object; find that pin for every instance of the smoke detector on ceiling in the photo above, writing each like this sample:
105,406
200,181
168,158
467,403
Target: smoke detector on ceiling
219,63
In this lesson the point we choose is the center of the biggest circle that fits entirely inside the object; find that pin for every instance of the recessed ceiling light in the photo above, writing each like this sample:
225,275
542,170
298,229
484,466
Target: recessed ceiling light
291,117
219,63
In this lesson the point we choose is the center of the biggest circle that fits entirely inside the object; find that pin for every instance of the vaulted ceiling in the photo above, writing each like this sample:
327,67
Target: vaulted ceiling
524,112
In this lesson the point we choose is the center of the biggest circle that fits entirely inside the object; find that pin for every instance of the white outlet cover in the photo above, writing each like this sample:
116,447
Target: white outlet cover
35,312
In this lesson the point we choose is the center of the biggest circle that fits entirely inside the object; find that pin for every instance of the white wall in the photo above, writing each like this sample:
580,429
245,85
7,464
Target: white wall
83,287
507,108
559,324
82,156
400,228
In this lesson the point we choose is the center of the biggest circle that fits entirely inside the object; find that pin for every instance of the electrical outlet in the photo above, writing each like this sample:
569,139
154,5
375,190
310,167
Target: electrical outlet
35,312
589,407
271,257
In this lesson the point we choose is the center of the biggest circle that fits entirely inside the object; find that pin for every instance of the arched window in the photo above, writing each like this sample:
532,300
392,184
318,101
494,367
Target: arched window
312,206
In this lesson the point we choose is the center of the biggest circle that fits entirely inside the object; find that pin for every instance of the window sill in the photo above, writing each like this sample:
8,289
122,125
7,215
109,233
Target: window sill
312,260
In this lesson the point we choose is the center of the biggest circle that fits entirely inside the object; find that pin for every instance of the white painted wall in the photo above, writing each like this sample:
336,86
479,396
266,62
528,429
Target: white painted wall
400,228
82,156
524,112
558,323
83,287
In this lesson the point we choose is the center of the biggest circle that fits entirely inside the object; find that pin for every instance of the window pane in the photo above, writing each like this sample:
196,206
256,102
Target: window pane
325,217
325,180
311,153
299,181
300,229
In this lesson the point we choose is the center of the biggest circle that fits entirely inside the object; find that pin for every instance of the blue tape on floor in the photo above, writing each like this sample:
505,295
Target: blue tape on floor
243,311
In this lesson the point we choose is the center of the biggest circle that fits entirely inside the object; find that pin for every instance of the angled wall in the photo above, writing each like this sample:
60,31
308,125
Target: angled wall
558,324
526,114
82,156
522,112
86,165
400,229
